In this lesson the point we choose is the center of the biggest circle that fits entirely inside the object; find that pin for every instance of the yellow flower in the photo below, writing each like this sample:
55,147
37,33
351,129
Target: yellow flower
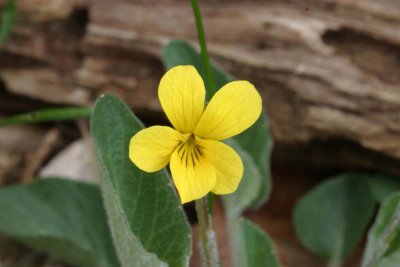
199,161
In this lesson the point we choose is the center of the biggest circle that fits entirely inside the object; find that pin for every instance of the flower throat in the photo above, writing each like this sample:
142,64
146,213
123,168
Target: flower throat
189,150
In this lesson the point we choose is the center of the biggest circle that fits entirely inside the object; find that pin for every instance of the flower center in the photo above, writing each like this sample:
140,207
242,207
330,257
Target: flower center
189,150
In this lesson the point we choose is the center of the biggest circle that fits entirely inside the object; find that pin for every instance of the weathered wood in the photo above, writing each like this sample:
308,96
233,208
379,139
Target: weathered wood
327,70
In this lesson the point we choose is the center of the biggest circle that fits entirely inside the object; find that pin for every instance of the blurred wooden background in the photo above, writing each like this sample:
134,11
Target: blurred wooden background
328,70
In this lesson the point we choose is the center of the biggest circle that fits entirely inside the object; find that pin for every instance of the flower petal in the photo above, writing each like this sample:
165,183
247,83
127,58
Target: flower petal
151,148
182,94
233,109
193,181
227,163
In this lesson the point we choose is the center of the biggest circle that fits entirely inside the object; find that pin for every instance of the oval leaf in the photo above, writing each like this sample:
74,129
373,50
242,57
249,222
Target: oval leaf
255,247
331,218
258,142
251,246
148,223
60,217
238,201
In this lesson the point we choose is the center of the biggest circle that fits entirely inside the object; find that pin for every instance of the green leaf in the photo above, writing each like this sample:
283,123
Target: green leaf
237,202
60,217
331,218
46,115
148,223
250,245
256,141
382,186
256,248
383,246
8,20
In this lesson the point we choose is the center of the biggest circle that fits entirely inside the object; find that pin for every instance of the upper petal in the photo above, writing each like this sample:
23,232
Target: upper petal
151,148
227,163
182,94
233,109
193,179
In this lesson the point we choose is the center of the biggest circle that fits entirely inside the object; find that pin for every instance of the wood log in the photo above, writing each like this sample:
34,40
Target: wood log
329,71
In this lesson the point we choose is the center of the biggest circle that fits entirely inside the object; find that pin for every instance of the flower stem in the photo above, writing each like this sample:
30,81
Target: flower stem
203,46
208,241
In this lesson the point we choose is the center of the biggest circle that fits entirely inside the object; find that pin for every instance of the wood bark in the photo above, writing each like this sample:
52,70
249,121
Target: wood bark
329,71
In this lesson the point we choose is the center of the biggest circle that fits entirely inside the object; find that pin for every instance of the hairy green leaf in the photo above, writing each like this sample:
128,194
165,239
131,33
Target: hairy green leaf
257,141
256,248
331,218
237,202
147,221
60,217
250,245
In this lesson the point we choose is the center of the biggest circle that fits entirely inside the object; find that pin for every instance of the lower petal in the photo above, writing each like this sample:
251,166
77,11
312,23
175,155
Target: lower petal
151,148
227,163
193,181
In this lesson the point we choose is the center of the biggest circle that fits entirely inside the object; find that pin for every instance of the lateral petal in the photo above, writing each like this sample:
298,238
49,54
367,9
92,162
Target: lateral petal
227,163
233,109
151,148
193,181
182,94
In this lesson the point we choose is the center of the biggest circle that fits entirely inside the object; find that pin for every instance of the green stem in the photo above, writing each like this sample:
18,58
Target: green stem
203,46
208,242
47,115
336,259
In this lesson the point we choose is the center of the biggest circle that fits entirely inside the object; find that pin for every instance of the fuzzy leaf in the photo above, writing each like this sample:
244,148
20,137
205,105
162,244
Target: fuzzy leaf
147,221
331,218
60,217
256,248
237,202
258,142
